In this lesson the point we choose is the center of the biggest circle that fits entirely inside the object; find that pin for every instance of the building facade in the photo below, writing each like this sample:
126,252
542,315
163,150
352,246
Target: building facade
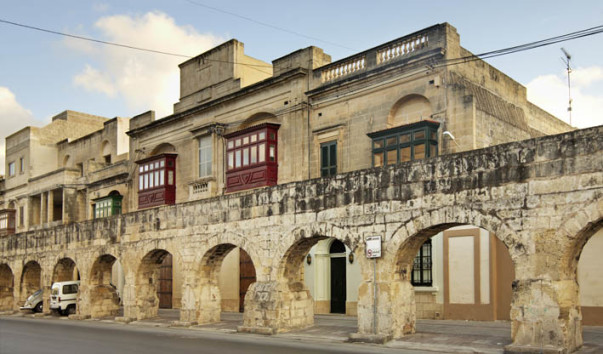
242,124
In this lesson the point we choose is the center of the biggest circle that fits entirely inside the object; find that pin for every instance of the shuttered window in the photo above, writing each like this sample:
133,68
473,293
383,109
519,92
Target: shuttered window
328,159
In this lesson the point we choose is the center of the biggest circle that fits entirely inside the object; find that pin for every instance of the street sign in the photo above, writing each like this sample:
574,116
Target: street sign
373,246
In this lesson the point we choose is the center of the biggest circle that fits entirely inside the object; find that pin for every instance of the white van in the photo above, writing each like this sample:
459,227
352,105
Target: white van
63,297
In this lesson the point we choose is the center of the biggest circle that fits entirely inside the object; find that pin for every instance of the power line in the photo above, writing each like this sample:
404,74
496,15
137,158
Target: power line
454,61
268,25
122,45
527,46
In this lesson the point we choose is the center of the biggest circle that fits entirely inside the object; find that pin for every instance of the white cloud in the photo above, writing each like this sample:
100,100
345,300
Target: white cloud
13,117
93,80
144,80
550,93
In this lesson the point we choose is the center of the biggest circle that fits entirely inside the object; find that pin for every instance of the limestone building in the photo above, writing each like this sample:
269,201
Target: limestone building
242,124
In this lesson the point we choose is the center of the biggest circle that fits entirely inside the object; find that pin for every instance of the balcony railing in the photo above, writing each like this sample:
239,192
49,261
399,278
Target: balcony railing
403,48
340,69
406,47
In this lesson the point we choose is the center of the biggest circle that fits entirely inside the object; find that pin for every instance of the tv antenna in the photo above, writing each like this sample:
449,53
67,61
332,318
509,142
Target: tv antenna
567,62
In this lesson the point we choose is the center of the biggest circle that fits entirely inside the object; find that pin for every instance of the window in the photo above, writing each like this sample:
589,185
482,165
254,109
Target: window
70,289
107,206
252,157
421,270
157,180
405,143
21,216
7,221
11,169
21,165
205,155
328,159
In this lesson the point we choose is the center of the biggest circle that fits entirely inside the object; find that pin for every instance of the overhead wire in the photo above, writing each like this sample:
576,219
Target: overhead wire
523,47
453,61
123,45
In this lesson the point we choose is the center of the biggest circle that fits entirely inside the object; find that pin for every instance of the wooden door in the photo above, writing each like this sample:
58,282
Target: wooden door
246,276
338,285
164,290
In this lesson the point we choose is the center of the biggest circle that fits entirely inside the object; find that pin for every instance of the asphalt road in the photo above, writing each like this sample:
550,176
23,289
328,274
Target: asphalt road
42,336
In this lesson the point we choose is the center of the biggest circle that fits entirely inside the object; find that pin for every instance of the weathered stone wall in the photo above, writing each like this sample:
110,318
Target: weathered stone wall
541,197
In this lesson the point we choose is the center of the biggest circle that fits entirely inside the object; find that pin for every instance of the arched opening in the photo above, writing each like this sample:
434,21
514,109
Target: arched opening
453,272
64,290
226,274
409,109
154,284
590,281
332,277
65,270
7,299
164,148
106,280
31,281
320,277
258,118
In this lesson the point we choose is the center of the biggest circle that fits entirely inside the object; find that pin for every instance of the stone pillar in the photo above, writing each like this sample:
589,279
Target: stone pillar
46,306
395,314
188,305
83,306
128,299
43,207
273,307
70,205
50,208
546,317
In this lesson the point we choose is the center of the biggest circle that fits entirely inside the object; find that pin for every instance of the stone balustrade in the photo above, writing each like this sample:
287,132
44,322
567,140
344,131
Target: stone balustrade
341,69
403,48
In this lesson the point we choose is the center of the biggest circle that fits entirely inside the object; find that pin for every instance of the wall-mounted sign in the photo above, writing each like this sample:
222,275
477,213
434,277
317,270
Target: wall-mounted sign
373,246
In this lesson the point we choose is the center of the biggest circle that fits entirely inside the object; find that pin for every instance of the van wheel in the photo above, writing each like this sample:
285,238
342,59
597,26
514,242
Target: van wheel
38,307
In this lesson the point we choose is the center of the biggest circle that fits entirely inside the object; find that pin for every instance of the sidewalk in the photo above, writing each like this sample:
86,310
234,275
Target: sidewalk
440,336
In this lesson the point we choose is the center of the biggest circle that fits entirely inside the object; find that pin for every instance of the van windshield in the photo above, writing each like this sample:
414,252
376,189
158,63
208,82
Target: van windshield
54,291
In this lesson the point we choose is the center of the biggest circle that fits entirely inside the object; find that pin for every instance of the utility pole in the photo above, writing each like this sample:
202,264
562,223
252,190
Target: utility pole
567,63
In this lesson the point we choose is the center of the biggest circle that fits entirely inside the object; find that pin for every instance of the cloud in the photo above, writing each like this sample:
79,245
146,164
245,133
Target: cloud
144,80
13,117
93,80
550,93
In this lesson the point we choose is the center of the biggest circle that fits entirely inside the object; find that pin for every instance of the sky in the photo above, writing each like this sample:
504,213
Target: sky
43,74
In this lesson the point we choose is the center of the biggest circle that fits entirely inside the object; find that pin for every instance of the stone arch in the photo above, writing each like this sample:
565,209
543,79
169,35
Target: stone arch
163,148
258,118
404,246
292,298
31,279
411,234
578,228
289,268
65,269
104,299
210,297
409,109
147,282
7,282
